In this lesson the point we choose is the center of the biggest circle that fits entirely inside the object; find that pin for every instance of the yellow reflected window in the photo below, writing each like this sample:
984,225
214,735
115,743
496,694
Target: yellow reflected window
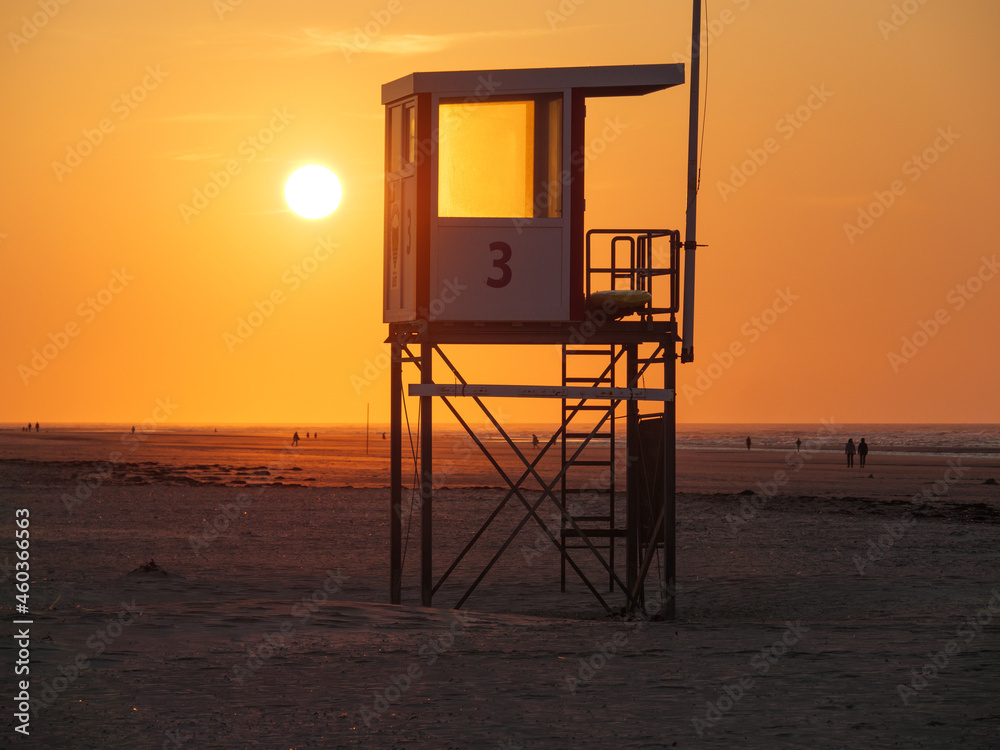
500,158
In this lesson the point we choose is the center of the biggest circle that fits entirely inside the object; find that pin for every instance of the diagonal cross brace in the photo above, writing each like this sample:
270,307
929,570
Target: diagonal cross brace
546,492
532,512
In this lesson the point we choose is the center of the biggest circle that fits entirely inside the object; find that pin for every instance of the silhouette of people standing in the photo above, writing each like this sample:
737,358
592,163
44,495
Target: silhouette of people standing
133,429
295,439
748,443
383,436
798,444
534,441
37,428
849,450
862,452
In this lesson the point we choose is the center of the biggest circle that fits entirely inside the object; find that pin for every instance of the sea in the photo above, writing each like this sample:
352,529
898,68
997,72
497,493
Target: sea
929,439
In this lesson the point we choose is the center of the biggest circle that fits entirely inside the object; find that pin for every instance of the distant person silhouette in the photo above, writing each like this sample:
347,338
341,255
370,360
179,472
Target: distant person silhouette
133,429
383,436
534,441
748,444
37,428
295,439
798,444
862,452
849,450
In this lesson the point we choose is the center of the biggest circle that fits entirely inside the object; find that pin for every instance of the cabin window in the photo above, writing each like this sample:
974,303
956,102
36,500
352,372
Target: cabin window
500,158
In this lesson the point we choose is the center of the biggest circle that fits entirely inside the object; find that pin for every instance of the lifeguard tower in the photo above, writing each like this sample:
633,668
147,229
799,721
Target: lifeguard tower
485,245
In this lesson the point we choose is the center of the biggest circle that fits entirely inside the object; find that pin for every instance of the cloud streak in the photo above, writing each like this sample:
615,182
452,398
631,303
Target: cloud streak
314,41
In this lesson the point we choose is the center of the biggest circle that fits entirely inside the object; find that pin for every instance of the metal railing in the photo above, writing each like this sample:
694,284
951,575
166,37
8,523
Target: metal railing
650,253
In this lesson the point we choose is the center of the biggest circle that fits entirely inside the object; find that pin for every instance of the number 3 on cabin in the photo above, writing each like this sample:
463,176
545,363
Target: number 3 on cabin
501,263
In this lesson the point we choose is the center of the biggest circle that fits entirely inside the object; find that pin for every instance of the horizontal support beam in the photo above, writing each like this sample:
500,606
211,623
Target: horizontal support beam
585,332
543,391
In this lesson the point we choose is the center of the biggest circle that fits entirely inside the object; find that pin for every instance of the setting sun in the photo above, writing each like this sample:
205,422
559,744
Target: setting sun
313,192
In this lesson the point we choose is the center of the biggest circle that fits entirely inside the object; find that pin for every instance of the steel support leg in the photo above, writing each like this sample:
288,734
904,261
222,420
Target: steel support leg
396,475
632,476
668,585
426,477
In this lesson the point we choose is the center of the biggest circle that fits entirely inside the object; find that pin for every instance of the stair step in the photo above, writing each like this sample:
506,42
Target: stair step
605,533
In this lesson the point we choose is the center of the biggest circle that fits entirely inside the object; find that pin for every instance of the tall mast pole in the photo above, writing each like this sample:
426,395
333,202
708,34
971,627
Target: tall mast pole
690,243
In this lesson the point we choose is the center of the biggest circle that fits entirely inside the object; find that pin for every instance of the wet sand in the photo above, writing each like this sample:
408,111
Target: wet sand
264,623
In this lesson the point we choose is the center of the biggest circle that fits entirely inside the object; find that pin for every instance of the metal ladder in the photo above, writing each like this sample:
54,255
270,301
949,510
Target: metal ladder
599,527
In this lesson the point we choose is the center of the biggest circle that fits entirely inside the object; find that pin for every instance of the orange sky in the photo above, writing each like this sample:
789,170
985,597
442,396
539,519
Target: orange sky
133,294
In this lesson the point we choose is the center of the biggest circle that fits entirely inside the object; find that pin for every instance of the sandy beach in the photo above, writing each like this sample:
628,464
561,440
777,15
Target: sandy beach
817,606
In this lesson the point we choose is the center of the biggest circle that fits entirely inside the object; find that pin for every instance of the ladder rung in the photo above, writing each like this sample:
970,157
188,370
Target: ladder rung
581,435
590,463
588,407
594,532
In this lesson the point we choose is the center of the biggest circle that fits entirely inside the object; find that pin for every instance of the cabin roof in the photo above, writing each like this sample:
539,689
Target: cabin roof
603,80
